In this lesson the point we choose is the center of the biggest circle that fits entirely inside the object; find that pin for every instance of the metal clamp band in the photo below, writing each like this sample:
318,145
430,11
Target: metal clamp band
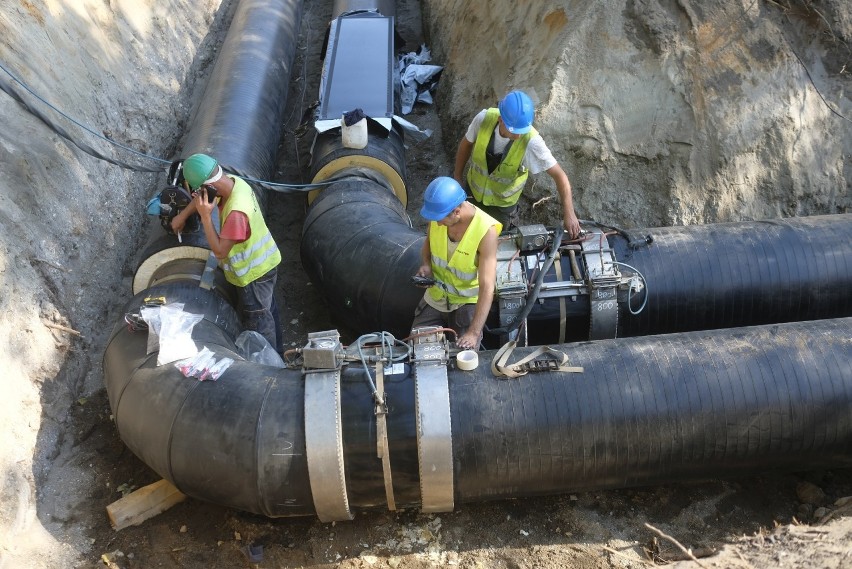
602,277
324,445
434,436
603,323
382,447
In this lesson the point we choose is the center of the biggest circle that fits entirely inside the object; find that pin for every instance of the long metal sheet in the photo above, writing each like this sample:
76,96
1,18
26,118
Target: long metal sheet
359,71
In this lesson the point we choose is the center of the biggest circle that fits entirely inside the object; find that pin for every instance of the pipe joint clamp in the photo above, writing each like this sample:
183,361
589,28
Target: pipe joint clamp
434,425
324,426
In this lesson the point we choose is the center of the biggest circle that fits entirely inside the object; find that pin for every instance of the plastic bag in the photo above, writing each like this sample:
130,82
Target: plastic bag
151,316
170,331
203,365
255,348
194,366
217,369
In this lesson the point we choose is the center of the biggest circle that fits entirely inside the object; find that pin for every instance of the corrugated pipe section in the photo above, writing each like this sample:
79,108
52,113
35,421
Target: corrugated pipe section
740,274
722,275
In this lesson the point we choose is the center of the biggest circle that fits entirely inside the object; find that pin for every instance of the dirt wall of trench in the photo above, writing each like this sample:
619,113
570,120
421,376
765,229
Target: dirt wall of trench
664,113
69,225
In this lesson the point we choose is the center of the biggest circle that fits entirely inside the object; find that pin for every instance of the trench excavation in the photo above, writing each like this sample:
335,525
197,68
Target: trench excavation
717,350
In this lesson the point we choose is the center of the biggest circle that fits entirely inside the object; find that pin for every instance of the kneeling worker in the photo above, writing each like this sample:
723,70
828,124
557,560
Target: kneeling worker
460,253
243,243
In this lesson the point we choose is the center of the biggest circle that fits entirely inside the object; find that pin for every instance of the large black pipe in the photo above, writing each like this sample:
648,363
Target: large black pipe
239,121
656,409
644,411
241,115
740,274
358,246
722,275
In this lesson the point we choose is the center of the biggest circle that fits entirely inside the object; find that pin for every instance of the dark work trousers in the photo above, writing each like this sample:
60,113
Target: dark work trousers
259,311
459,319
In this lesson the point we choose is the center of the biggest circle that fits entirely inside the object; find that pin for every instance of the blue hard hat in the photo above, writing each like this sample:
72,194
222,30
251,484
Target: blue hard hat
442,195
517,112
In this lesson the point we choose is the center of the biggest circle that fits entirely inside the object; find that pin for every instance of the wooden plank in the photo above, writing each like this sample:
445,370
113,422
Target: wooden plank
142,504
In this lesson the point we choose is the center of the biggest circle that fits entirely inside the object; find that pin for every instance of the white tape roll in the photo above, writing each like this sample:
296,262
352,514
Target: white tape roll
467,360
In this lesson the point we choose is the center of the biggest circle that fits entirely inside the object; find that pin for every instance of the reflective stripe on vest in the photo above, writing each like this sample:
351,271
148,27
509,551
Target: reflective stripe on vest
503,186
459,274
257,255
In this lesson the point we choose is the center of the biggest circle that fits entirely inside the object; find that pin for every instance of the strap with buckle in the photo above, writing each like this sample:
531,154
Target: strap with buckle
555,361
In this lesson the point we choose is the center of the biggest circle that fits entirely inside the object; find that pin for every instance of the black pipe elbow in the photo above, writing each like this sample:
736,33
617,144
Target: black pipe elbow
358,246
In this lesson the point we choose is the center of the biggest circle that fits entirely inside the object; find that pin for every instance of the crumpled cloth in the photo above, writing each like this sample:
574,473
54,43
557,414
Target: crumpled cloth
417,79
353,116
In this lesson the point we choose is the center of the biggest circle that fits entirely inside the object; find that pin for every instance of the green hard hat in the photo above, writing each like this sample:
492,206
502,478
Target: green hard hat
197,168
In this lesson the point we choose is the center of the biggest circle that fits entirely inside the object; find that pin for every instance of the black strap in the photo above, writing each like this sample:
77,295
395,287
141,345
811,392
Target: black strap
493,159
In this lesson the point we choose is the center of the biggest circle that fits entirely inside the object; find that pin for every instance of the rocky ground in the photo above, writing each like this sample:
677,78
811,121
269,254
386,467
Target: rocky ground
63,462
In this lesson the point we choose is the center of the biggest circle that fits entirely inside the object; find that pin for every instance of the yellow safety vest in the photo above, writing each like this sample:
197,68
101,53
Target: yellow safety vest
458,274
503,186
257,255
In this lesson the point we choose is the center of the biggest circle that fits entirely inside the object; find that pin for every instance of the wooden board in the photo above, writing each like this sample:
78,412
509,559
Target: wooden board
142,504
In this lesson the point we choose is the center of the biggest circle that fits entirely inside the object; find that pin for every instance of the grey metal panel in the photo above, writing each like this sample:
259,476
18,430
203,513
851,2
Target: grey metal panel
359,67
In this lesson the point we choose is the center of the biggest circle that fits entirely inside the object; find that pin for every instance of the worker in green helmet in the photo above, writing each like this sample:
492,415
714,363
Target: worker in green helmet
243,244
503,149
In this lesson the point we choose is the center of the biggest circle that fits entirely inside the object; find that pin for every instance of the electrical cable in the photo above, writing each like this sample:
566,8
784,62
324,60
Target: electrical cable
632,241
9,90
64,134
387,341
630,293
554,250
288,188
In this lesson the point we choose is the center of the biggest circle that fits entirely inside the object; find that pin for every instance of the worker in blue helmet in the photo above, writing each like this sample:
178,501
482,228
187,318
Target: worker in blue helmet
460,255
503,149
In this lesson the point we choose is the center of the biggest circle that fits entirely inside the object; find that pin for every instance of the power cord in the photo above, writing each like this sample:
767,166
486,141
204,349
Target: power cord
9,90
